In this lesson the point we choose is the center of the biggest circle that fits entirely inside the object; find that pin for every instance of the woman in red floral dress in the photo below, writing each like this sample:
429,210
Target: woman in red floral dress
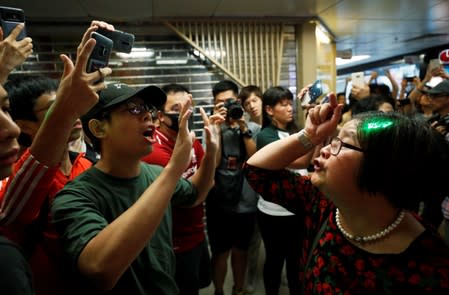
360,237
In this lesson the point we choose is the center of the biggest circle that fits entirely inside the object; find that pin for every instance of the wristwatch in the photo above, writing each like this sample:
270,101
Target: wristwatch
304,140
247,133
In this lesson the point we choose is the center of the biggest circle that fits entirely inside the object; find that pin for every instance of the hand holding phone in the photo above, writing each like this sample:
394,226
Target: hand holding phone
122,42
10,17
99,58
358,79
314,92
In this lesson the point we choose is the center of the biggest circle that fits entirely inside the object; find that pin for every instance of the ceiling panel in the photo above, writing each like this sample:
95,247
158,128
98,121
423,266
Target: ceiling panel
176,8
381,28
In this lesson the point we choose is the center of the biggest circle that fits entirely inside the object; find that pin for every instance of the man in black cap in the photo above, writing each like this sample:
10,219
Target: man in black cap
439,102
115,219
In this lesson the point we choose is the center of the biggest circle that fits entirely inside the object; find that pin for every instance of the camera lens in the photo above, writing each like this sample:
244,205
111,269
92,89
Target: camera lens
235,112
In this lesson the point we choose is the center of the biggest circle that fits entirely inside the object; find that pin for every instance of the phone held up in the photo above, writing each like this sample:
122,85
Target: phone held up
314,92
122,41
358,79
10,18
99,58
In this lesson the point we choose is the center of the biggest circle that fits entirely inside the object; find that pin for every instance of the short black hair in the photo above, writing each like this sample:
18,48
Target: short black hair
404,159
371,103
173,88
24,90
271,97
223,86
246,92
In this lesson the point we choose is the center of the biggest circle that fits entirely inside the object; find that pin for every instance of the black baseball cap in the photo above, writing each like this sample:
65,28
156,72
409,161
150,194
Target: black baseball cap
441,88
116,93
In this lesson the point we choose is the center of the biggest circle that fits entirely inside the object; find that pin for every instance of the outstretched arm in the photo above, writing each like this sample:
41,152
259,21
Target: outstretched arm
109,254
77,93
321,123
203,179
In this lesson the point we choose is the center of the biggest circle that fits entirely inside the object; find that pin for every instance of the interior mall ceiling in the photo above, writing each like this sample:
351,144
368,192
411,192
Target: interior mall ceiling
379,28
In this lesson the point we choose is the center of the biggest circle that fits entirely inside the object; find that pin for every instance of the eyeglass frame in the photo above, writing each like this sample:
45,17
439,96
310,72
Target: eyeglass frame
141,108
342,144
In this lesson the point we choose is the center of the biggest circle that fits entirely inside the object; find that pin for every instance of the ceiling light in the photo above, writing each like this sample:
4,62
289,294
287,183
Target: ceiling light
340,61
322,35
137,52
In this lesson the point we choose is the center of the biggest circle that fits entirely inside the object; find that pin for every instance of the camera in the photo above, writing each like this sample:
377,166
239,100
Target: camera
235,110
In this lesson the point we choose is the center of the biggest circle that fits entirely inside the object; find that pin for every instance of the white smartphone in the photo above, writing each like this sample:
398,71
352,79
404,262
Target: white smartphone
358,79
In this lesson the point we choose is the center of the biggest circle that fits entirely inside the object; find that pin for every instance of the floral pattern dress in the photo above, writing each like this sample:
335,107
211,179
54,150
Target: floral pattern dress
339,267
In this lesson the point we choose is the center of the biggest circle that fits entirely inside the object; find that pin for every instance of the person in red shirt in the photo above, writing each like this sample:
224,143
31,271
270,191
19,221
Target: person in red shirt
15,272
189,238
46,166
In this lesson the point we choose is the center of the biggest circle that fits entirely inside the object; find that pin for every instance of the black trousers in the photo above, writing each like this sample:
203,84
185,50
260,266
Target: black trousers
282,238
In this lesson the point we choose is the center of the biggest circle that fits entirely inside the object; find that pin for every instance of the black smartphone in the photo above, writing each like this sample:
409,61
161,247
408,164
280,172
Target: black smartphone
314,92
123,42
10,18
99,58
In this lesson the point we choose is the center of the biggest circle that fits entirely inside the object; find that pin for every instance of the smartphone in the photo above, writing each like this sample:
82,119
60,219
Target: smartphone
10,18
358,79
314,92
99,58
122,42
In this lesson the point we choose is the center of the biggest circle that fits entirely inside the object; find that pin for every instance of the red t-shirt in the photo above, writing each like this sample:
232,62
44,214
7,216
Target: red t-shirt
30,189
188,223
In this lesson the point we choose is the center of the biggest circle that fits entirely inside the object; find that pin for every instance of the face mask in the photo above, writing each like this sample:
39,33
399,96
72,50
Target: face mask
174,121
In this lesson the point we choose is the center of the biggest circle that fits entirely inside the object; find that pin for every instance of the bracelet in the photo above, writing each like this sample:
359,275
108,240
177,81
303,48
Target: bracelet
304,140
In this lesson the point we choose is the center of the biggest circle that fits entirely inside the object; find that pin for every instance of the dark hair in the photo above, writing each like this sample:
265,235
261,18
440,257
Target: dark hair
271,97
371,103
380,89
223,86
24,90
173,88
246,92
404,159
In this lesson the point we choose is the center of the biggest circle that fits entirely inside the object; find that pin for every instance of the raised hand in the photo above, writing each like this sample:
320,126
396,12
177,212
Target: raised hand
78,89
182,151
12,52
323,120
212,130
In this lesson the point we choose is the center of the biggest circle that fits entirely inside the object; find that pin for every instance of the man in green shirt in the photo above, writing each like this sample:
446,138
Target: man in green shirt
115,219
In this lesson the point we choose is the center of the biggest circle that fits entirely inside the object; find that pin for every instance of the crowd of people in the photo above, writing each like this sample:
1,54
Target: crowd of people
356,202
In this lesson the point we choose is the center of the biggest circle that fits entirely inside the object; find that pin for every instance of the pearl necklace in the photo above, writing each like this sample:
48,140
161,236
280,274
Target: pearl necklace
370,238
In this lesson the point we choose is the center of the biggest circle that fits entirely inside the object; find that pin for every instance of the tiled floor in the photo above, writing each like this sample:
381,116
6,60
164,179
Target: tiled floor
259,289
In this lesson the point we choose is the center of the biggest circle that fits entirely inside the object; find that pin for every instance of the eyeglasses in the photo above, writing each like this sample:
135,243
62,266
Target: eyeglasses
137,109
336,145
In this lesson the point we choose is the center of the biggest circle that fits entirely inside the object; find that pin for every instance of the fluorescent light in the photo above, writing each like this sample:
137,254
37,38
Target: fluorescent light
171,61
322,35
137,52
340,61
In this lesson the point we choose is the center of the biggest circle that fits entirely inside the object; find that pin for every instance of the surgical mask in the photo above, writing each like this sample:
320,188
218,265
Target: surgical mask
174,117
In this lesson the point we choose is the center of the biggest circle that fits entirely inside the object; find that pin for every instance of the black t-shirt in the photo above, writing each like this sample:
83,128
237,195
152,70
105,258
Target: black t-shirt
15,273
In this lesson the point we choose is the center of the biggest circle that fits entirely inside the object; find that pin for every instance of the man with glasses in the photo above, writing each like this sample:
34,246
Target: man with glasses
115,219
439,101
